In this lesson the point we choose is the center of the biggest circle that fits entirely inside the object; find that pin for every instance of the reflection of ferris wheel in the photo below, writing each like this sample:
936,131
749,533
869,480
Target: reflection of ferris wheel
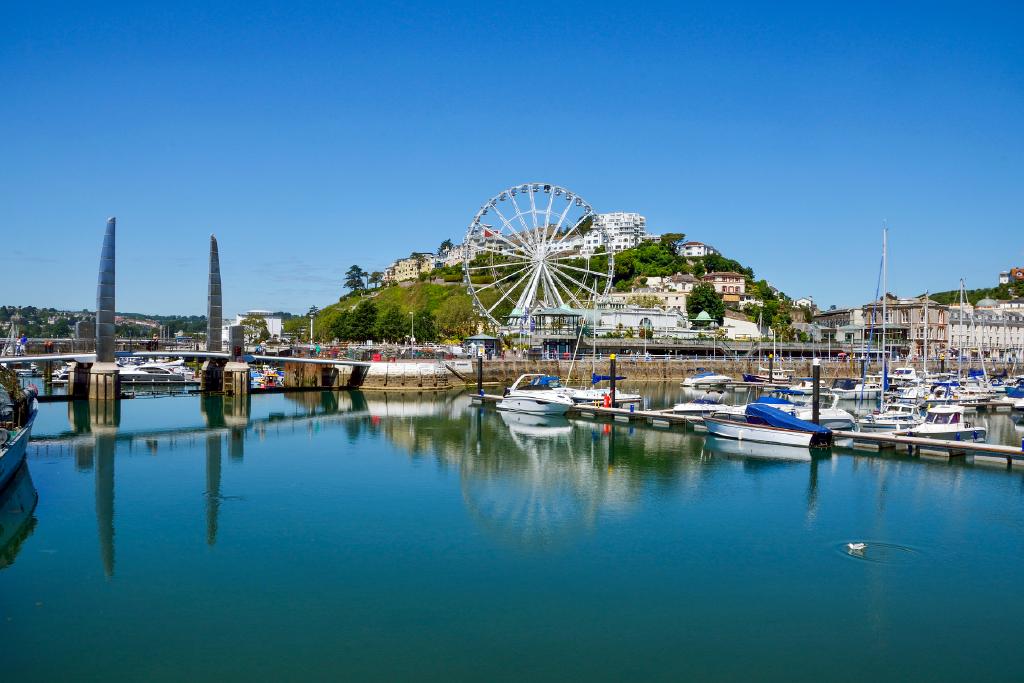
531,247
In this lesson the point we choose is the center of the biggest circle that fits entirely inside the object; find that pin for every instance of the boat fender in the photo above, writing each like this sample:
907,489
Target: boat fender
607,400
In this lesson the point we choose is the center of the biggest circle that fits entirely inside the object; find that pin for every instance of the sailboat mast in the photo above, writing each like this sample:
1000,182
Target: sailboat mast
960,343
885,297
926,330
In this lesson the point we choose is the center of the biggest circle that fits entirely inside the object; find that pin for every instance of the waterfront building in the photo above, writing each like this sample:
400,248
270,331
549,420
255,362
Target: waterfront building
669,300
696,249
731,286
275,324
738,327
1012,304
986,330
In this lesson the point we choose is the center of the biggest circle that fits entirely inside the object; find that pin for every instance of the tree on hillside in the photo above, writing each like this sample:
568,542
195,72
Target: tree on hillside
705,298
646,301
354,278
376,278
426,329
445,247
673,240
255,329
456,317
716,263
362,322
392,324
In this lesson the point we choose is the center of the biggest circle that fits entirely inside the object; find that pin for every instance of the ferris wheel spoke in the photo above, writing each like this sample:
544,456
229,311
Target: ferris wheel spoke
526,245
547,211
574,280
552,288
585,271
492,266
533,210
568,287
529,294
496,282
519,215
498,302
571,230
499,251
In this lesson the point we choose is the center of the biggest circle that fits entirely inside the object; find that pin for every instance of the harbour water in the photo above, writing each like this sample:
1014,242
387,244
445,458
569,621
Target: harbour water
360,536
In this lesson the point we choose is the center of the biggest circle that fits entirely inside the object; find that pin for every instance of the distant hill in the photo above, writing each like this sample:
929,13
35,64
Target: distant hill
1008,291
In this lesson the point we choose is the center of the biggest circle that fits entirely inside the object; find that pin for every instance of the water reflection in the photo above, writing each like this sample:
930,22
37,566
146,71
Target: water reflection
17,503
526,481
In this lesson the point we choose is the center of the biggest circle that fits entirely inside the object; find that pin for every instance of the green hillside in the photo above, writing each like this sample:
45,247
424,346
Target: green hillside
1008,291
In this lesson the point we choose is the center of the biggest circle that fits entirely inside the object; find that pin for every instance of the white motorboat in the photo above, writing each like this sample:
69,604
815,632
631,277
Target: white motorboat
707,379
155,373
1018,404
732,448
764,375
849,389
946,422
708,404
538,394
831,417
891,417
900,377
767,424
601,396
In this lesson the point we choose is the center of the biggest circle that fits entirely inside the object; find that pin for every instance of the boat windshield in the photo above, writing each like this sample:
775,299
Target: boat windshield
944,418
544,382
844,384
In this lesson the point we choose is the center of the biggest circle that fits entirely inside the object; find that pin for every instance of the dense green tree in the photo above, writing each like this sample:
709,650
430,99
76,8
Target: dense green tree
673,240
426,327
376,278
445,247
255,329
361,324
355,278
456,317
705,298
392,324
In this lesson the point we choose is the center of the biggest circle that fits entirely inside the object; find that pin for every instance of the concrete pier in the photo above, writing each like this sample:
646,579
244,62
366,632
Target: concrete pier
236,371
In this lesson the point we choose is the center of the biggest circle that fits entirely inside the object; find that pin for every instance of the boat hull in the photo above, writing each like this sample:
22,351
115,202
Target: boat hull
973,435
743,431
13,453
532,405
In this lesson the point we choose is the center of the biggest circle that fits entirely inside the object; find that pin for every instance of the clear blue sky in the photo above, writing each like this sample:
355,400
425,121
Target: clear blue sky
310,137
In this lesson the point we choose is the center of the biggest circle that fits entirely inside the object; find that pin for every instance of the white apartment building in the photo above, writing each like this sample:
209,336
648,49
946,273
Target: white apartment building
456,255
616,232
696,249
410,268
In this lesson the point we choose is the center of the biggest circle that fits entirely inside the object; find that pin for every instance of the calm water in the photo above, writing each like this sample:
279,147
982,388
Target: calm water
390,537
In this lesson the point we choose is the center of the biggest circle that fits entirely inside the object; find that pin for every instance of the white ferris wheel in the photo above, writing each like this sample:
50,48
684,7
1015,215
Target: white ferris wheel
531,247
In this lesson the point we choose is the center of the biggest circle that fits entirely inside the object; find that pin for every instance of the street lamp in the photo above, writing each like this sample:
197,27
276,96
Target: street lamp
412,331
313,310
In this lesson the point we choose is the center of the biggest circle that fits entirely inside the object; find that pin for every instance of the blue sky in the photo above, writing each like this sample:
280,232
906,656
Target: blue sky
309,137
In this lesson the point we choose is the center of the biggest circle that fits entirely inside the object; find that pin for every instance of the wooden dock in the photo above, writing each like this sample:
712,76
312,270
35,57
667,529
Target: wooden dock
914,445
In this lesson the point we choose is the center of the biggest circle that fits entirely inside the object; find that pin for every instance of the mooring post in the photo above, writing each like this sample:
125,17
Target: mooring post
816,395
480,371
611,379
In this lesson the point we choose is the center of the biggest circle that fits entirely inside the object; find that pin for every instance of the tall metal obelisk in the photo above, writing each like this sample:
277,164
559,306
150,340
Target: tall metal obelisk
104,376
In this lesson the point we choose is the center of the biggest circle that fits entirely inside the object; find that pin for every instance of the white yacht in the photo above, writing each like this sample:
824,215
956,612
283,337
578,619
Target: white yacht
849,389
946,422
902,376
709,403
156,373
707,379
891,417
538,394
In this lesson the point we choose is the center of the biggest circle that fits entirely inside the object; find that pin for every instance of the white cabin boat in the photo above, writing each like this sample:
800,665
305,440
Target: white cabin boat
538,394
15,431
891,417
767,424
705,380
708,404
848,389
946,422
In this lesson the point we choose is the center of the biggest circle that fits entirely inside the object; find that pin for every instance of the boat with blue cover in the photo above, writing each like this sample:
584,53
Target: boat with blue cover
763,423
706,380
